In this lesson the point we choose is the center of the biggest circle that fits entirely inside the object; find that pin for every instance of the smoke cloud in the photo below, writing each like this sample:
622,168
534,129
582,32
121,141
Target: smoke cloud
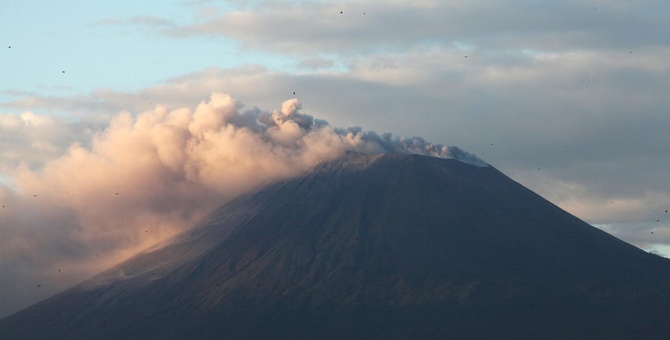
148,176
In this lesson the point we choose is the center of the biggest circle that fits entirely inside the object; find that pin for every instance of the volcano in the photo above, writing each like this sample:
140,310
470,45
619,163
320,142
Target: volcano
373,246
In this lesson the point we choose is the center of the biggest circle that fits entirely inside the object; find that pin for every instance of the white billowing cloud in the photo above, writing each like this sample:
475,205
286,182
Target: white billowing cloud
148,176
31,138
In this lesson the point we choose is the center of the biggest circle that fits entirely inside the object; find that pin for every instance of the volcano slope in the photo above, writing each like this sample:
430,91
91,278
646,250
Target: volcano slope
384,246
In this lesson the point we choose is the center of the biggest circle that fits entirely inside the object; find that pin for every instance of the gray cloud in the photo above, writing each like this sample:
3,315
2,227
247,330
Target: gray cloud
300,27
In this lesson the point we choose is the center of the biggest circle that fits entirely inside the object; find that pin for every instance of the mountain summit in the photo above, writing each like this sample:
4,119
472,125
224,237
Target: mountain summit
373,246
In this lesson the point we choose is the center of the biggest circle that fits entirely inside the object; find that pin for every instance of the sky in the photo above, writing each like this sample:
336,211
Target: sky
124,122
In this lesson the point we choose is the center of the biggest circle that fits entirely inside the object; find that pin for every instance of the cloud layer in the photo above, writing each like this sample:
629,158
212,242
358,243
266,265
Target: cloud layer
148,176
348,27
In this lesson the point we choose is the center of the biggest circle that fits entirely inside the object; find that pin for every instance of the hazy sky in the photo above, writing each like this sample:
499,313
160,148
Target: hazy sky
122,122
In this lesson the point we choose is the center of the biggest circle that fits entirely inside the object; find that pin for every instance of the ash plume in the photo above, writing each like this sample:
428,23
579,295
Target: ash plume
148,176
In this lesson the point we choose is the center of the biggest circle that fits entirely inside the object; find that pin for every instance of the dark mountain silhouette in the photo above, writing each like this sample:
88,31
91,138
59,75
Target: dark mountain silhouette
385,246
